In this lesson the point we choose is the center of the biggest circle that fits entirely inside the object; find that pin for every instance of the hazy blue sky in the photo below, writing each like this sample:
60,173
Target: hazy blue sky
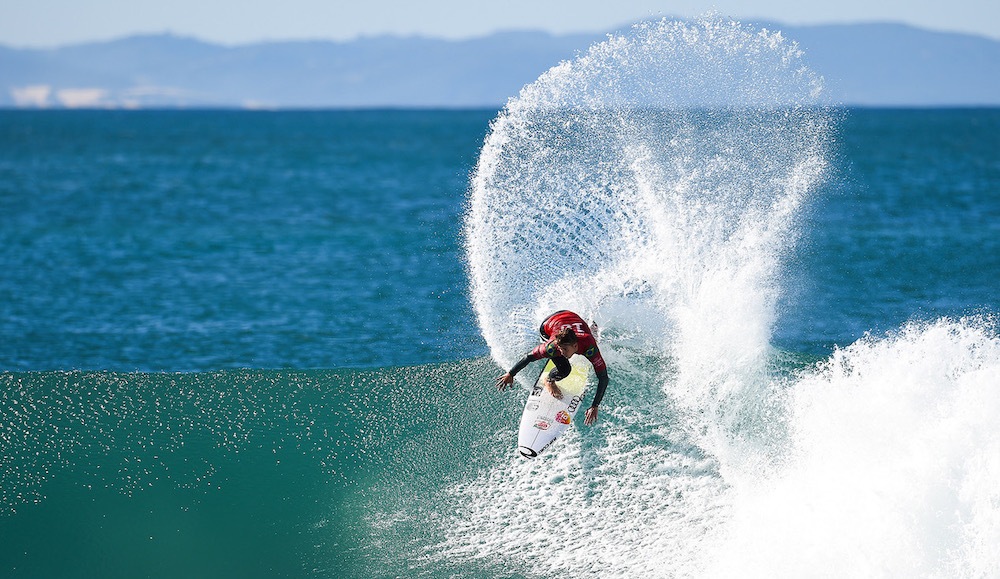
48,23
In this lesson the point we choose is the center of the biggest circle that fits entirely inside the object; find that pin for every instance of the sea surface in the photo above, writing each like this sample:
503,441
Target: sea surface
263,344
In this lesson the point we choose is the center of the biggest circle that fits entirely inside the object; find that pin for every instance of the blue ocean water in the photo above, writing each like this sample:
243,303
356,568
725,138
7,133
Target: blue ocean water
206,240
908,229
259,344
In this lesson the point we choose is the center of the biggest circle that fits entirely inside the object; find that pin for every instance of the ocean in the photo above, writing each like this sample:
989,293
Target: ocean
263,343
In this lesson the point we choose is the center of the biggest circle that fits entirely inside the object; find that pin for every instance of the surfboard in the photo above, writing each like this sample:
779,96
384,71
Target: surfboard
545,418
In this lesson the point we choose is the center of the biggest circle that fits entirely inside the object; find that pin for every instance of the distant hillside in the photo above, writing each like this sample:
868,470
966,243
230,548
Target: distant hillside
894,64
864,64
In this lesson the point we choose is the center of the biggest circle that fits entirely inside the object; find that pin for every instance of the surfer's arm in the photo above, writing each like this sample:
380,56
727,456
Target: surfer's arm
508,378
522,363
602,385
601,369
590,416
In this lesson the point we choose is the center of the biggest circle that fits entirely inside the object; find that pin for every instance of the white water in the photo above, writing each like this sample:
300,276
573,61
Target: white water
655,178
653,185
894,469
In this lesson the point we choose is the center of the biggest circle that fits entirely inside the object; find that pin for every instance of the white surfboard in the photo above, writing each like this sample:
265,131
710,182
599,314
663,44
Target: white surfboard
545,418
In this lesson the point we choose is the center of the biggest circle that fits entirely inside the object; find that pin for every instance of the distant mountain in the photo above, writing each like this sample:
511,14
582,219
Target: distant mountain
883,64
863,64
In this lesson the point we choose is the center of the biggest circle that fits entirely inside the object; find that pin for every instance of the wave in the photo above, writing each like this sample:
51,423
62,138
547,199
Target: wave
654,185
252,472
878,460
892,465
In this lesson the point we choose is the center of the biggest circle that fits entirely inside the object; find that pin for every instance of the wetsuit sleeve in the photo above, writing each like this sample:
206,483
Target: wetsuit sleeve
527,359
602,385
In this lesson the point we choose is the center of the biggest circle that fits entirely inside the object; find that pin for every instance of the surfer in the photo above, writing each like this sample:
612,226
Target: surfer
565,334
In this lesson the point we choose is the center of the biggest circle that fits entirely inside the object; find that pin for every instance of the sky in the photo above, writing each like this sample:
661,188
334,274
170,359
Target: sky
52,23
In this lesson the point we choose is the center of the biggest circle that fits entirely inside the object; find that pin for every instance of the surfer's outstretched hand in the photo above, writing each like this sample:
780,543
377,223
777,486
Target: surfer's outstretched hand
504,381
591,416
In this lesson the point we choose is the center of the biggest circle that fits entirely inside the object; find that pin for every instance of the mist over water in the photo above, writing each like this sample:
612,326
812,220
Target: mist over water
654,185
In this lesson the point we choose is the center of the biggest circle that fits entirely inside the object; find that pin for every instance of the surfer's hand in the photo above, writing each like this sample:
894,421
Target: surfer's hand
554,390
504,381
591,416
